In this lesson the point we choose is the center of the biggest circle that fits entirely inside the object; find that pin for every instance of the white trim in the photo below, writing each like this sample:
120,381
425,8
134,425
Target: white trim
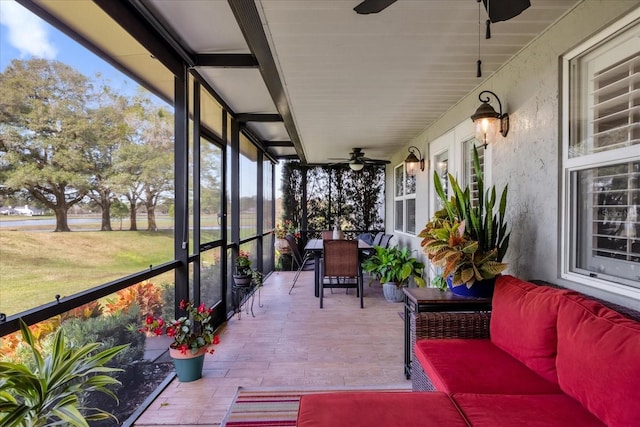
568,225
607,32
403,198
613,287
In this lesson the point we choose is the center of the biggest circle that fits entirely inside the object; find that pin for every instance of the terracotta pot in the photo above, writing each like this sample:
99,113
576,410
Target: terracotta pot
242,280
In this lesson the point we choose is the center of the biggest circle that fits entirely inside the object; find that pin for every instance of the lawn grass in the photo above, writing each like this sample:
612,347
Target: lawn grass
35,266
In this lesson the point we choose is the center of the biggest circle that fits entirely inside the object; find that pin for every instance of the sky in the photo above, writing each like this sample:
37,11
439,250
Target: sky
24,35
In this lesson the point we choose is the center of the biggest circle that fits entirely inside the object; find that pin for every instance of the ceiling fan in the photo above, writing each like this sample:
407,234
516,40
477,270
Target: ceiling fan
498,10
357,160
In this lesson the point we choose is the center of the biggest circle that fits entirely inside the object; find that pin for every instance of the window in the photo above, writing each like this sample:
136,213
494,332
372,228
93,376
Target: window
602,161
468,172
441,163
404,200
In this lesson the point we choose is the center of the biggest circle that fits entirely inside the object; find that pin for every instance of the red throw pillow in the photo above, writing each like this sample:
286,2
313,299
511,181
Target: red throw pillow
523,323
599,360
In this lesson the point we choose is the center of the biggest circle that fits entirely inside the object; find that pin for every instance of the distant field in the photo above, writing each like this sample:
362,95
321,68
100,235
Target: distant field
35,266
36,263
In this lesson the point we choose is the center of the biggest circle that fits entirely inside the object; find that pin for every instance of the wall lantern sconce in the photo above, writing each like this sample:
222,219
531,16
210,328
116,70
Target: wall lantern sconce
412,163
356,165
487,121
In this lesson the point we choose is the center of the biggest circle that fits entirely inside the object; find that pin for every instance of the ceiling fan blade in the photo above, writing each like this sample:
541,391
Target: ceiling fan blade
502,10
372,6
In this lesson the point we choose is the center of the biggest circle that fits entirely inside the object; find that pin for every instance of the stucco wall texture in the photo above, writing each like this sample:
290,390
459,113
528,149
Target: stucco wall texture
529,158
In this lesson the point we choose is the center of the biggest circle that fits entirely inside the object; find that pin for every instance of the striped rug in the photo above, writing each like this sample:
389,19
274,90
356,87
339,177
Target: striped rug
259,407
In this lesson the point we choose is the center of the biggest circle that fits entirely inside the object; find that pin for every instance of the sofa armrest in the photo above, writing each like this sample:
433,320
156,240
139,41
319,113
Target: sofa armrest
442,325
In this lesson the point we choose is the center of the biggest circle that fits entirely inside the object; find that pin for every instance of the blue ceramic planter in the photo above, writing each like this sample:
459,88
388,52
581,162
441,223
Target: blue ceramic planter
483,289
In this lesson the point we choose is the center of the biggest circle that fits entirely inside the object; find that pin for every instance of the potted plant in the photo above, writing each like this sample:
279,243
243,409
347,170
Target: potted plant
50,390
242,275
468,239
280,231
393,267
193,335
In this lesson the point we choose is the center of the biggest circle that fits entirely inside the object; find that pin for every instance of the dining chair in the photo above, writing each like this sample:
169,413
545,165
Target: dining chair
327,234
377,238
384,242
376,242
342,263
304,263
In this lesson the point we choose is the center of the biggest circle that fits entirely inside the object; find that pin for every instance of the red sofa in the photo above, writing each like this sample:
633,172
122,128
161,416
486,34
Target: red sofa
550,357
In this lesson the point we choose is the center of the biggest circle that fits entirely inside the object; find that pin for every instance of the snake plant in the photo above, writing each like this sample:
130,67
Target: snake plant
468,239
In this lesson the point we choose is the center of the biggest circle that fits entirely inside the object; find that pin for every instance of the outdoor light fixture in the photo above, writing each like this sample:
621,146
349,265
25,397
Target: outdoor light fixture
356,165
412,163
487,121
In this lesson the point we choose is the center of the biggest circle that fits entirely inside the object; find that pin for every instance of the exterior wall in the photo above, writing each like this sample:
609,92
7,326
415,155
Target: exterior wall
529,158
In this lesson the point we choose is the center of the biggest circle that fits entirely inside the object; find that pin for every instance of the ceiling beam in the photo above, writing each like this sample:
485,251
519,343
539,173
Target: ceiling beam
278,143
251,117
250,24
288,157
226,60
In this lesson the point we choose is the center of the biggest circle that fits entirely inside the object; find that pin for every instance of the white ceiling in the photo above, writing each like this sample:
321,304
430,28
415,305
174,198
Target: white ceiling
371,81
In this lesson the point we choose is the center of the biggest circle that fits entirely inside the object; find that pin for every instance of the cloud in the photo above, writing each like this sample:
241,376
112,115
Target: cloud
27,32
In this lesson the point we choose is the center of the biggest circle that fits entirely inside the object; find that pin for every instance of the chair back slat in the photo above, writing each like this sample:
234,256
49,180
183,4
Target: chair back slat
377,238
295,251
384,242
341,258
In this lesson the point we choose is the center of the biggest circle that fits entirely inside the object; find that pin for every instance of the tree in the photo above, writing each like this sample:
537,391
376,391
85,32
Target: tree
292,192
128,178
119,210
109,131
354,199
44,133
149,156
157,174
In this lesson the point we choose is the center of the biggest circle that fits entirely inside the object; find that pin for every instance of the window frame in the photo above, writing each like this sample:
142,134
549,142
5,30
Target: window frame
571,165
404,198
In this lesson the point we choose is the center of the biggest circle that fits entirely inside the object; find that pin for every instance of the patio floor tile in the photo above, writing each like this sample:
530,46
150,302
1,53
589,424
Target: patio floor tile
291,343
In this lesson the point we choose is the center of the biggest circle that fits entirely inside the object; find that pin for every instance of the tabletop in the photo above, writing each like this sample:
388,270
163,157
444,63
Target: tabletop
436,296
316,245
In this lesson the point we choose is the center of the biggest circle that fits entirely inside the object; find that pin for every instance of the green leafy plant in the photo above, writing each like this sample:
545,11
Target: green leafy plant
394,265
243,264
257,277
439,282
50,391
467,239
448,246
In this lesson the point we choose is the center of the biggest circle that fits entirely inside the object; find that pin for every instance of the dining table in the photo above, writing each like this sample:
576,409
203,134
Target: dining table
315,246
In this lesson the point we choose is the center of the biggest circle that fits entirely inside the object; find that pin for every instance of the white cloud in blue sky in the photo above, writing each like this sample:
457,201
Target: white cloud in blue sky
27,33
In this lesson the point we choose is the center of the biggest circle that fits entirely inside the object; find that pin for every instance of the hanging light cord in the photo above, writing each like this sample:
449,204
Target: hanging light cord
479,63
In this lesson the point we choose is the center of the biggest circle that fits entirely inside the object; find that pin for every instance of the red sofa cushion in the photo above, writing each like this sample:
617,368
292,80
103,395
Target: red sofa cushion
389,409
542,410
477,366
599,360
523,323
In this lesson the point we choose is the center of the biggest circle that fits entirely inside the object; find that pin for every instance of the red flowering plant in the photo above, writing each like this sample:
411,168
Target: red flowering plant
191,332
282,229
